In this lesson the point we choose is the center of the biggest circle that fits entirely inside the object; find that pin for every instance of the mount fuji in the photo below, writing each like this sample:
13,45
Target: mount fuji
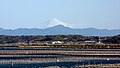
55,22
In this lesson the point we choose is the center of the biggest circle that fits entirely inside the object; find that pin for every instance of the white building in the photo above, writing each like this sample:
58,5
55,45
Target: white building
57,42
90,42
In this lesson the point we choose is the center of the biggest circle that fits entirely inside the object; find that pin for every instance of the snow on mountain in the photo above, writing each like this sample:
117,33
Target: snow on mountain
55,22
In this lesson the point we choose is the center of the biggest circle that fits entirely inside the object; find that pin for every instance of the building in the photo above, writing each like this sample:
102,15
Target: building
57,42
90,42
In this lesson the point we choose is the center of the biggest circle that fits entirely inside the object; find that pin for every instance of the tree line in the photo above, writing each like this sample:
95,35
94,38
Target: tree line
5,39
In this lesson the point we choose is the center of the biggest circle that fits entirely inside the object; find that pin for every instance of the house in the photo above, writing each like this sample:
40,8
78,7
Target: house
90,42
57,42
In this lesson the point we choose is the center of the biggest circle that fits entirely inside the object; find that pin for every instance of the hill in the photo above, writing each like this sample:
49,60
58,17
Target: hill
60,29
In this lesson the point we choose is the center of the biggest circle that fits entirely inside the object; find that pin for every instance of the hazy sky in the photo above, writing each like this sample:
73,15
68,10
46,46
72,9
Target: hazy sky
103,14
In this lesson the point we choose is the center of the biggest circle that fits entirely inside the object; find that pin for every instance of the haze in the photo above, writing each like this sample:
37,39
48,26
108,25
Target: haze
102,14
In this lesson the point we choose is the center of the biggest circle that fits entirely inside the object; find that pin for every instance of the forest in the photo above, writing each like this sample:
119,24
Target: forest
4,39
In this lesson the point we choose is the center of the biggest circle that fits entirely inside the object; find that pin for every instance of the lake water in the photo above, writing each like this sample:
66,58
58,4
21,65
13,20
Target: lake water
59,64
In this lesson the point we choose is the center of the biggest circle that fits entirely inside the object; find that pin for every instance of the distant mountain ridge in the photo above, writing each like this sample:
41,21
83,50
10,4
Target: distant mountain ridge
60,29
